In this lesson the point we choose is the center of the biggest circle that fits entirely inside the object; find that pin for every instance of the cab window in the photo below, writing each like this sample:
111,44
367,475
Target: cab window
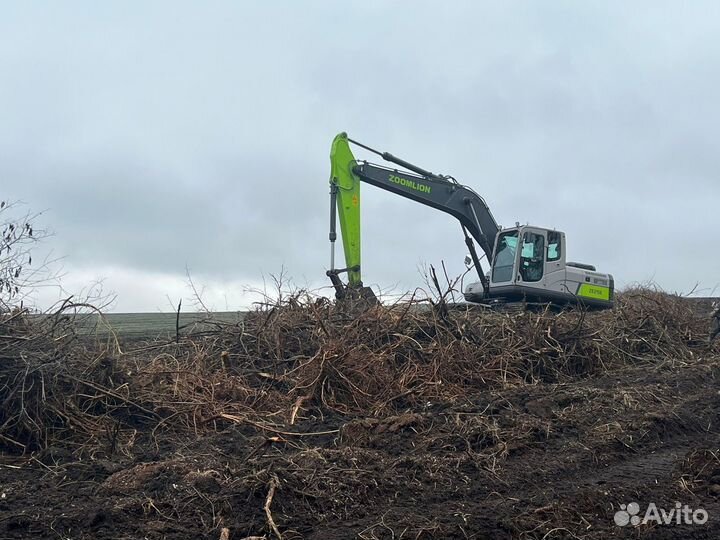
554,246
505,257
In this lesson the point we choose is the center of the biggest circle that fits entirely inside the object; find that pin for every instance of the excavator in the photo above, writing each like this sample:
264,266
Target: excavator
527,264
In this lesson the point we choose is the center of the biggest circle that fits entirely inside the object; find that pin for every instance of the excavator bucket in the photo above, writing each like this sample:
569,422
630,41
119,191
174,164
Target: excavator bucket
348,204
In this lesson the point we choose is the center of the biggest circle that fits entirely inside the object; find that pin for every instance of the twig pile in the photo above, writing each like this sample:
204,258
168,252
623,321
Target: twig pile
305,353
54,386
388,358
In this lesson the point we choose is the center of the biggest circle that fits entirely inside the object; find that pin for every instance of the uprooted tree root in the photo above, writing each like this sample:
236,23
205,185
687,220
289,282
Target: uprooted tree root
304,415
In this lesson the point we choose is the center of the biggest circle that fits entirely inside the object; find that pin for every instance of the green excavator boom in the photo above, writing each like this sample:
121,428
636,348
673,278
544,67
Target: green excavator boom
345,186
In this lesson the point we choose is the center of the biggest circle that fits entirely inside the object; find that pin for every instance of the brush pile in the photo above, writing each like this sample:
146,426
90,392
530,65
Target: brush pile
306,420
54,386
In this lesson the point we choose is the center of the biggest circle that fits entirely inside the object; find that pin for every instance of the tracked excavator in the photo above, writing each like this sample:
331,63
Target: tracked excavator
527,264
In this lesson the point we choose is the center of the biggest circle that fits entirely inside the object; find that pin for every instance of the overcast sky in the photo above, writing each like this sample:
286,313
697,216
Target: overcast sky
160,136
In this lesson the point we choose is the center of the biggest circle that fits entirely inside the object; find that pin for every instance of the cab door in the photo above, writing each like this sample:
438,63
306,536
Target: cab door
531,264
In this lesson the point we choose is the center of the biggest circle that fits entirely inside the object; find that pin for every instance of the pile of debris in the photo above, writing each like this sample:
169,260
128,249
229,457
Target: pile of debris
303,419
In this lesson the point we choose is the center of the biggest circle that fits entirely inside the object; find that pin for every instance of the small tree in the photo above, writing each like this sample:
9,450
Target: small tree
17,273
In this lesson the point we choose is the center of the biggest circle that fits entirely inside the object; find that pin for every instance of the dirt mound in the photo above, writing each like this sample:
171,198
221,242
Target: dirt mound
407,421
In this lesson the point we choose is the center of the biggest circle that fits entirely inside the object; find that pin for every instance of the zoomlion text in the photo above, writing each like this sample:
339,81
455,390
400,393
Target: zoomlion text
423,188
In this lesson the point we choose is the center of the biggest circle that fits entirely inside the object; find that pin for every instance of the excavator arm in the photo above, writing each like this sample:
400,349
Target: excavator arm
345,201
439,192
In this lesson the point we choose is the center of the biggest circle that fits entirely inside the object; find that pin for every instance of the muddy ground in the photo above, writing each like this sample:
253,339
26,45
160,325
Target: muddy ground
229,448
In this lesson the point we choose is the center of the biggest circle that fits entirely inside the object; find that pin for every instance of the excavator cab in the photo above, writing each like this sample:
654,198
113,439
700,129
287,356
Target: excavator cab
529,264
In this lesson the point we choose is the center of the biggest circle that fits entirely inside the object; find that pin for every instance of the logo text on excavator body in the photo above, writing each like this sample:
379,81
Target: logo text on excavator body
422,188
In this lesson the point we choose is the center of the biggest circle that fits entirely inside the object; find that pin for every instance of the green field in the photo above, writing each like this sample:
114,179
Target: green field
153,325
